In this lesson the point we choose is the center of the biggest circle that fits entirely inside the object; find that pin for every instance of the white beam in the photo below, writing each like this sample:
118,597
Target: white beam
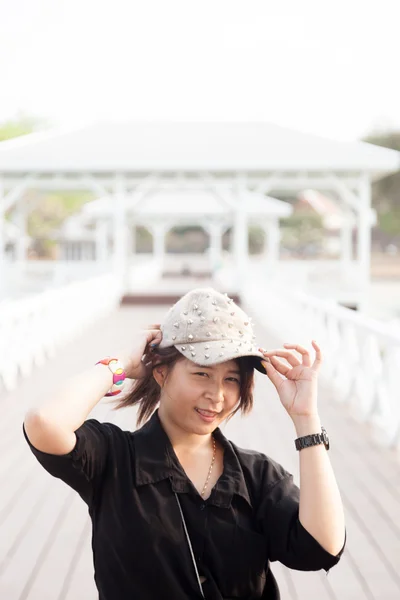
266,185
344,191
91,183
16,192
143,188
221,193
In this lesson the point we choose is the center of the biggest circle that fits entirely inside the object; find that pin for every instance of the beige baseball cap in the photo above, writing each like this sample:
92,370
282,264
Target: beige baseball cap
208,328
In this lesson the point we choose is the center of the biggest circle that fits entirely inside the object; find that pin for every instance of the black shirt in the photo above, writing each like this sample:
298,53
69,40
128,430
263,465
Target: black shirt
139,545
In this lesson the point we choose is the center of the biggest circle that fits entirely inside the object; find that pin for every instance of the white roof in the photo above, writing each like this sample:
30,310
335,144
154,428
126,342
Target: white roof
143,146
189,203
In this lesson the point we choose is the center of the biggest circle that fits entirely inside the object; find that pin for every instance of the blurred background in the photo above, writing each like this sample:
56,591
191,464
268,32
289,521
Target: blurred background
149,148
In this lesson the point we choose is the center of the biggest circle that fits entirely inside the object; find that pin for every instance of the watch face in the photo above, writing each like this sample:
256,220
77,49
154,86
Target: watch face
325,437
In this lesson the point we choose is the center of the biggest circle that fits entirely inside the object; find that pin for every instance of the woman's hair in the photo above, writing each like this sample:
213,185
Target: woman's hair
145,392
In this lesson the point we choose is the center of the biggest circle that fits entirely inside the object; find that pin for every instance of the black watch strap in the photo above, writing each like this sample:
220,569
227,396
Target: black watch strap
313,440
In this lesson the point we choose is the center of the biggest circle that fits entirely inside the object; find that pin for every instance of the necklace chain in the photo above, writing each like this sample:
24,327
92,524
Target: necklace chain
211,466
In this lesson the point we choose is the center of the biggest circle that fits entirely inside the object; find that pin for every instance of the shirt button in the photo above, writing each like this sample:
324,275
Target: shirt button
202,506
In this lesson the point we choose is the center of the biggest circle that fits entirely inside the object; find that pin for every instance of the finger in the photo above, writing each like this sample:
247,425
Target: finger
289,356
280,366
273,374
303,351
318,356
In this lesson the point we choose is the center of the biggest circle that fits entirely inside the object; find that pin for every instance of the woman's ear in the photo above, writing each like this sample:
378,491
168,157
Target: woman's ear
159,374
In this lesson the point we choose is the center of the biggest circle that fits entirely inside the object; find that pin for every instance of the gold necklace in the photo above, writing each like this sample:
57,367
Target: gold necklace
211,466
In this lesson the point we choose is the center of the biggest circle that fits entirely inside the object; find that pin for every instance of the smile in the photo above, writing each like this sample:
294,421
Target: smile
206,415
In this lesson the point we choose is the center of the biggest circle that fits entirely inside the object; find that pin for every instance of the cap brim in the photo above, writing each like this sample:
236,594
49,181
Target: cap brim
211,355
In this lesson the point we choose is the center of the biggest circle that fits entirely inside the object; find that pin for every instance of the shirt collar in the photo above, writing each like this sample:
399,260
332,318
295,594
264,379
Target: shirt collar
156,460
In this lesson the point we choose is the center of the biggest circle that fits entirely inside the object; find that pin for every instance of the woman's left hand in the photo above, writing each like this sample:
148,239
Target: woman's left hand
296,384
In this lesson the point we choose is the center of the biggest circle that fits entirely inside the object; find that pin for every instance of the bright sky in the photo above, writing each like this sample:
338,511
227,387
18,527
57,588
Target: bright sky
328,67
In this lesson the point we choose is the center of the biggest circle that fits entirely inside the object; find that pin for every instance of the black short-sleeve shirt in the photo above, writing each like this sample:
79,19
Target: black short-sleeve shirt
140,551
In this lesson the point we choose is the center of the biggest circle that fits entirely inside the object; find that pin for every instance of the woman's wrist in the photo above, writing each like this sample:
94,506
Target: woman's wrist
117,371
105,374
307,425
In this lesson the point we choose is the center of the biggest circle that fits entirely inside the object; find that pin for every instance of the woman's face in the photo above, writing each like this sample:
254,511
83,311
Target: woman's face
197,399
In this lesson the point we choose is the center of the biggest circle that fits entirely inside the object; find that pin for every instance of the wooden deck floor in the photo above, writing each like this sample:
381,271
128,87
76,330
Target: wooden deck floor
45,532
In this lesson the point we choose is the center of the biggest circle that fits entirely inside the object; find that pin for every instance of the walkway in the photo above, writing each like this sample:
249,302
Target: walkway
45,551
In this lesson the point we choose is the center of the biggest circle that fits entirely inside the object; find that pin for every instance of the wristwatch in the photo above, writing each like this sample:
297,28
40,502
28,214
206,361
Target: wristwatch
312,440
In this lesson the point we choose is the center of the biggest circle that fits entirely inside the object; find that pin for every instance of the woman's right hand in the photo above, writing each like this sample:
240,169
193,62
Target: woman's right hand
135,367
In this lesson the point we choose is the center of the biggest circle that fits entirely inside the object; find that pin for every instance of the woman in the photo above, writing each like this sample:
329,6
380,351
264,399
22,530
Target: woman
178,511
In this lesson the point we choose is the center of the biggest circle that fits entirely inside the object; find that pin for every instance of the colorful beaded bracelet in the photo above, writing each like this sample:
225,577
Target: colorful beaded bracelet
118,372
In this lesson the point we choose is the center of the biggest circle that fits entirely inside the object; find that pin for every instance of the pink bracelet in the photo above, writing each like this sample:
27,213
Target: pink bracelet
118,372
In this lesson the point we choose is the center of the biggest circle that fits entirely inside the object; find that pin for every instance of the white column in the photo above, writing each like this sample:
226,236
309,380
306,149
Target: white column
272,241
215,233
101,241
2,241
120,229
346,241
159,230
364,234
20,222
132,231
346,245
240,234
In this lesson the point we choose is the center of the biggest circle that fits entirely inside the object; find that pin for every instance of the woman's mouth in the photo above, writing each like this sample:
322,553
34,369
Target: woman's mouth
207,415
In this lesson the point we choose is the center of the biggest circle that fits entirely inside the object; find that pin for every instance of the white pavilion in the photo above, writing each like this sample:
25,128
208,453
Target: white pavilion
216,175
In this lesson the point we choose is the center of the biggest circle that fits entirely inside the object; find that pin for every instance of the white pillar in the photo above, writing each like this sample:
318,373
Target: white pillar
346,245
159,230
2,241
101,241
215,233
364,235
240,234
272,239
120,230
346,238
20,222
133,240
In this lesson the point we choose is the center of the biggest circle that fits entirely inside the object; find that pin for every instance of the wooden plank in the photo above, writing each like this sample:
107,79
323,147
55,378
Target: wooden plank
81,583
45,534
53,570
384,582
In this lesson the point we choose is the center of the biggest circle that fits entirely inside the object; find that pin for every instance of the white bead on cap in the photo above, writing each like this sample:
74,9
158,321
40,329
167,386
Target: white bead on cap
194,334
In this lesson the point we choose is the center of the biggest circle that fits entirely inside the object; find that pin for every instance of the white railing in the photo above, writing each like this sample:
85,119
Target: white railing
32,276
32,327
361,355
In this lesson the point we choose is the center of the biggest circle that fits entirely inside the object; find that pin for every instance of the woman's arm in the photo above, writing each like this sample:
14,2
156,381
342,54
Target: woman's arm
50,427
321,510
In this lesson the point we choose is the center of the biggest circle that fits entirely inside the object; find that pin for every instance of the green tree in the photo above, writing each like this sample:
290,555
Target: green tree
51,208
21,124
386,191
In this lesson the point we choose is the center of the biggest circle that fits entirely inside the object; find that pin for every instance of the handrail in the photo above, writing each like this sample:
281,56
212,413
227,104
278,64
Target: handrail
361,355
32,327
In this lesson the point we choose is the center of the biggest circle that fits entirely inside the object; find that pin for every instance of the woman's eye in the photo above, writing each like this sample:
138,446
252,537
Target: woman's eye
231,378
